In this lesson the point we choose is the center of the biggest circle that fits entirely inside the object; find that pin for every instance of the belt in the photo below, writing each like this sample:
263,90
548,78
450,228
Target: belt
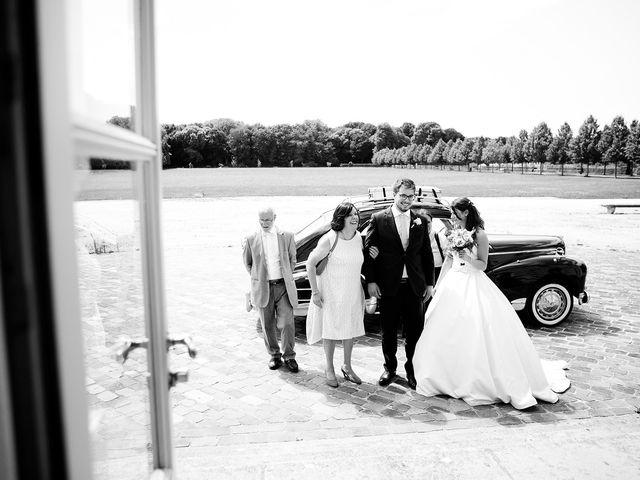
276,282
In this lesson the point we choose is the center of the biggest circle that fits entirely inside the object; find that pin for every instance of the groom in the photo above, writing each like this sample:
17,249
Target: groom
401,276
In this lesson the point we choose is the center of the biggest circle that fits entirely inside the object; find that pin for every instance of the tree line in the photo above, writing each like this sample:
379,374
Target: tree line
616,144
230,143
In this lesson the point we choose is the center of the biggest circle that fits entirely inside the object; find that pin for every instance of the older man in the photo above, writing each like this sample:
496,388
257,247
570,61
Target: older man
270,256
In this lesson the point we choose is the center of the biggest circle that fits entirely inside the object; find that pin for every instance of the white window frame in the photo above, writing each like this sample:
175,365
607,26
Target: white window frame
67,136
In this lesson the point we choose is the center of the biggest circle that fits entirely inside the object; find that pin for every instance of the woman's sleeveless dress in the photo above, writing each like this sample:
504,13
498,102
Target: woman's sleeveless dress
342,314
474,346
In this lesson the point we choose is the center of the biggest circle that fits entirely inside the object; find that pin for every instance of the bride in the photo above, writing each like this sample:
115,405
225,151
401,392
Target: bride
473,345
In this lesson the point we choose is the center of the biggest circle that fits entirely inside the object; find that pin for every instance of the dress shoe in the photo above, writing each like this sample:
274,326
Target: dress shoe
292,365
331,380
386,378
350,376
411,380
275,363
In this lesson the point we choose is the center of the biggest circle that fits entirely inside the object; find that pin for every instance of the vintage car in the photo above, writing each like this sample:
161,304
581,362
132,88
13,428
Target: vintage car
532,271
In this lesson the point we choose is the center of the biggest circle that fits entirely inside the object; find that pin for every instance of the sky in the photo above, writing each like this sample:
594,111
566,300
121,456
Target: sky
486,68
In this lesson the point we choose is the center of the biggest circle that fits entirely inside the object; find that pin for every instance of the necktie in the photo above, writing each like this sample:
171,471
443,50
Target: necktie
403,230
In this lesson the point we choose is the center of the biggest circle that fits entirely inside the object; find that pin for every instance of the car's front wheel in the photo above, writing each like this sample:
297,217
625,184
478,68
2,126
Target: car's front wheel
549,304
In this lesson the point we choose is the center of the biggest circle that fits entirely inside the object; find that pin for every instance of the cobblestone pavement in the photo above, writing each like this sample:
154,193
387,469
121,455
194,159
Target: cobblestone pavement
232,398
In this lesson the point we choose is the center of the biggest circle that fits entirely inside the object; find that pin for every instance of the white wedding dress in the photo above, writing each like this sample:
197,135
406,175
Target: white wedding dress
475,348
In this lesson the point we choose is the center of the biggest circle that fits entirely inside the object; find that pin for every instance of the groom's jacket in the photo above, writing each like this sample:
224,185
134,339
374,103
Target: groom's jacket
386,269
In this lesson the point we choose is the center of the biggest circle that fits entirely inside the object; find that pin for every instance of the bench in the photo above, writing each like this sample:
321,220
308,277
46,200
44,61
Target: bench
611,207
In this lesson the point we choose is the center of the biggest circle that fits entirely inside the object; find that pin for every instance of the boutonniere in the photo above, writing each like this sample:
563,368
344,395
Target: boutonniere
416,221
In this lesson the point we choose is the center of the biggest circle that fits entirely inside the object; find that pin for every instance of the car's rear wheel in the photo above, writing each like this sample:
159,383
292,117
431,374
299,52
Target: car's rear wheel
549,304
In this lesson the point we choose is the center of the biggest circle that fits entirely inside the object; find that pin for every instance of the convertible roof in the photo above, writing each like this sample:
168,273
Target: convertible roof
382,197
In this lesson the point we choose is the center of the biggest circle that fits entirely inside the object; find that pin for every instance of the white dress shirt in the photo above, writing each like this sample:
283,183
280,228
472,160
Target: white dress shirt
403,224
271,253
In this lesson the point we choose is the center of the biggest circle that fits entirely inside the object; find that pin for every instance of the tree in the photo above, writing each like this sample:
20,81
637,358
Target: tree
422,154
632,149
341,141
537,144
225,125
351,145
360,146
436,156
122,122
312,145
388,137
475,156
584,147
606,139
516,147
242,146
165,134
427,133
617,149
523,136
408,129
447,152
452,134
460,152
559,150
493,152
368,128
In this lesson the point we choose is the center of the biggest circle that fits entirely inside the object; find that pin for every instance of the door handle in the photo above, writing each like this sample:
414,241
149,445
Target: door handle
127,346
183,340
178,377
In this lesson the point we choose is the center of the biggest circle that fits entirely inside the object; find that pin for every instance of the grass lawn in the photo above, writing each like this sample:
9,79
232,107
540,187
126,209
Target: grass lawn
242,182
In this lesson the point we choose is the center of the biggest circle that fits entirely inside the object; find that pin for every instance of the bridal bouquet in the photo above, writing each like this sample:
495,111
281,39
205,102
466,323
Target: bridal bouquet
460,239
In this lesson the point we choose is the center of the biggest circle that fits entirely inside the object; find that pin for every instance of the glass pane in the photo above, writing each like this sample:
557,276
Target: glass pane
111,294
101,48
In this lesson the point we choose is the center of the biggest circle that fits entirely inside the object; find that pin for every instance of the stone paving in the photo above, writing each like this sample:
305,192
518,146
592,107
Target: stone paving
232,398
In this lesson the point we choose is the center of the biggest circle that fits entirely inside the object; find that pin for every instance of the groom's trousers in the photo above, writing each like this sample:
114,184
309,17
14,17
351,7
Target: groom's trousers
405,307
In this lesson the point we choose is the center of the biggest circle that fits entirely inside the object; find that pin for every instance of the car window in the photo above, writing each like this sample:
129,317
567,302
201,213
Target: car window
318,224
440,224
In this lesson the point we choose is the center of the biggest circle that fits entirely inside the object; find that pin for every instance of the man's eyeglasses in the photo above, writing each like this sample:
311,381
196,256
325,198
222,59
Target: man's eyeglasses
406,197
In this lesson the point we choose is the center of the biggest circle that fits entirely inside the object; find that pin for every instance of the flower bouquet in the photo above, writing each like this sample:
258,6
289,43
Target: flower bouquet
460,239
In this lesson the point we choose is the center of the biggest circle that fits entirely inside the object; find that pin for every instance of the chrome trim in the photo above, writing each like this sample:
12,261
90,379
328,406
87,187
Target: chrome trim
550,251
518,304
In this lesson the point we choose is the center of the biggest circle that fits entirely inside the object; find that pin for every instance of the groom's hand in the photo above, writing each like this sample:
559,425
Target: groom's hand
428,293
374,290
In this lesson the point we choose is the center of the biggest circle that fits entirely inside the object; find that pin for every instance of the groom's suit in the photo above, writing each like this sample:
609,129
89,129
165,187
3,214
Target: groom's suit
402,298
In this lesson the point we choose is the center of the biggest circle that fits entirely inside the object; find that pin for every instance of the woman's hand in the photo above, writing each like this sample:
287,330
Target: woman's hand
373,252
463,255
316,298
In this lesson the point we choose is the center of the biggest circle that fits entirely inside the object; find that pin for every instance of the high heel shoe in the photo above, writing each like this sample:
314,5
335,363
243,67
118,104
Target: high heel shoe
331,381
350,376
